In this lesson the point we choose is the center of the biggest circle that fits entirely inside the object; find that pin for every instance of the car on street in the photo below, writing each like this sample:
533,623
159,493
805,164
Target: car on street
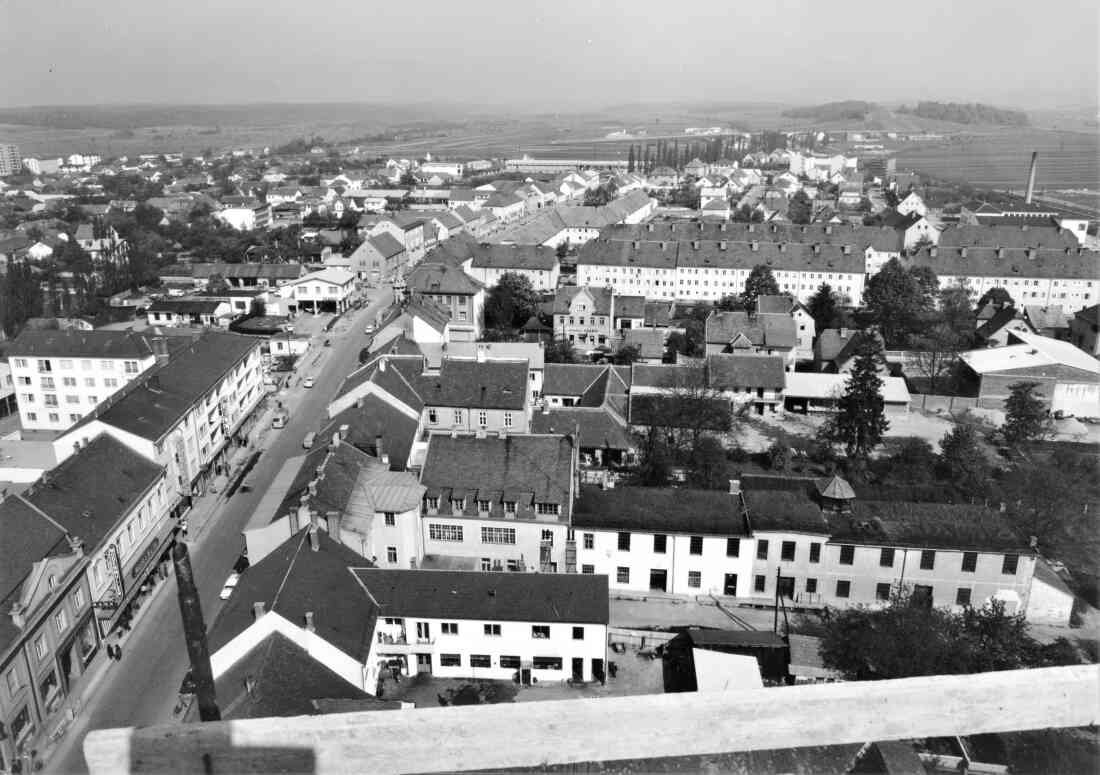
229,586
309,382
369,329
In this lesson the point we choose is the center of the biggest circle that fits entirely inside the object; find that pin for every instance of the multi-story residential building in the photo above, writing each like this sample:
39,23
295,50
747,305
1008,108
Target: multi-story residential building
500,502
10,162
805,327
482,396
681,541
507,626
183,414
584,316
440,278
406,228
48,638
61,376
538,264
452,169
247,216
328,290
8,402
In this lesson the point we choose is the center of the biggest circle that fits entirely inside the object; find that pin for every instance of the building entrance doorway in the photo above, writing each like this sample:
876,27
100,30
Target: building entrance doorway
658,580
730,587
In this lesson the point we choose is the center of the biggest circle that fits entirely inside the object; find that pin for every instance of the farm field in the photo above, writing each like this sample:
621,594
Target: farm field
1066,159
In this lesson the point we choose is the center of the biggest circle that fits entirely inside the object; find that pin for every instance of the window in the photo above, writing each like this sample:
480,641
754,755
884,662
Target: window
391,518
589,541
1011,561
882,591
962,596
492,630
482,418
480,660
695,579
578,633
391,554
886,558
110,382
815,552
927,559
622,575
696,545
78,599
458,505
458,416
624,542
60,621
811,586
131,367
68,381
786,551
433,418
32,417
510,662
507,419
760,583
510,508
486,564
847,554
762,549
498,535
843,588
21,363
547,508
450,660
588,569
970,562
51,399
445,532
41,648
733,547
540,631
546,663
483,506
449,628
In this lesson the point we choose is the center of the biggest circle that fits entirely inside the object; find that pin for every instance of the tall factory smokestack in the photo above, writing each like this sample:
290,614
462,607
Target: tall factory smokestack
194,631
1031,177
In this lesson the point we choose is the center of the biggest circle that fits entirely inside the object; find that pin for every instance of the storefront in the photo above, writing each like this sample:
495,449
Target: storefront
130,586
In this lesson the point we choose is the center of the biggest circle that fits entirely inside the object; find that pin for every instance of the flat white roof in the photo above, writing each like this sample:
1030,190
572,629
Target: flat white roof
804,384
1032,350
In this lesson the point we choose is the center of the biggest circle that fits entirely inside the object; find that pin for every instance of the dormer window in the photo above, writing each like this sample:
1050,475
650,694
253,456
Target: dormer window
483,506
509,507
547,508
458,504
433,503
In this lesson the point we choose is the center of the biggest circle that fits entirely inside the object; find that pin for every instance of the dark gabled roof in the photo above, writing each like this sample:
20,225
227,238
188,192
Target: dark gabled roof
472,595
596,427
442,275
601,299
71,343
649,341
376,418
761,330
397,374
962,527
1067,263
1029,235
779,304
154,402
659,510
475,384
669,411
631,307
1000,319
340,466
294,579
519,257
732,372
858,236
91,490
659,313
386,244
26,537
783,503
525,469
278,678
570,379
704,637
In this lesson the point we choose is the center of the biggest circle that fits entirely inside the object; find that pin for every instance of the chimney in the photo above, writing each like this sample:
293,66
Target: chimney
160,349
335,441
695,244
962,252
344,431
309,622
752,228
75,543
257,610
782,247
1033,542
296,517
314,539
359,403
1031,177
933,251
380,450
847,250
312,487
828,228
634,244
735,486
649,226
754,246
817,249
332,519
662,245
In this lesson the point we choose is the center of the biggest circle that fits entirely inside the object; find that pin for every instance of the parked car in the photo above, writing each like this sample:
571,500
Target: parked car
309,382
229,586
307,442
369,329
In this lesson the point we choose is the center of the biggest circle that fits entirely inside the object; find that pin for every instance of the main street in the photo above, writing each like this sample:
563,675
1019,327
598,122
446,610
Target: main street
143,687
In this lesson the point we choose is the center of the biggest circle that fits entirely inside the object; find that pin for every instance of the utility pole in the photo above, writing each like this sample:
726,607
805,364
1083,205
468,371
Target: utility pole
194,632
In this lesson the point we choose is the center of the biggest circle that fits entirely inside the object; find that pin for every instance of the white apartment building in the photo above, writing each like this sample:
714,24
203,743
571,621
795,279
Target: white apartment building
59,377
328,290
183,414
497,626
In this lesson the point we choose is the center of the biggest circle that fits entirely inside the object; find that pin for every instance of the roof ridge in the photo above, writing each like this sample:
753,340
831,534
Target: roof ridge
290,566
43,514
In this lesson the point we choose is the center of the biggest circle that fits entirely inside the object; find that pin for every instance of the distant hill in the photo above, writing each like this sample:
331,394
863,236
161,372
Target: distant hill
848,110
966,113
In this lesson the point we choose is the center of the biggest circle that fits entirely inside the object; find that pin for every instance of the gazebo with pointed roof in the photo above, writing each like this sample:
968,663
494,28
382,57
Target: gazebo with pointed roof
836,493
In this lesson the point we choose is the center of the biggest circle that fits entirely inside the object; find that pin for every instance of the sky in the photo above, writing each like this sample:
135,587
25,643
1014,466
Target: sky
562,54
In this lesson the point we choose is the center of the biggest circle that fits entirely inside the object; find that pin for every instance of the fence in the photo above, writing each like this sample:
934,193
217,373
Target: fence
638,639
930,402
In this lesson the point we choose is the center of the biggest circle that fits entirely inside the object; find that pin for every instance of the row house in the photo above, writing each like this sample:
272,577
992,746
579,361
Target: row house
183,414
61,376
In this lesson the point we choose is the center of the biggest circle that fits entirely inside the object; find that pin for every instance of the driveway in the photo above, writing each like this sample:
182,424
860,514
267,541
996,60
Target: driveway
142,688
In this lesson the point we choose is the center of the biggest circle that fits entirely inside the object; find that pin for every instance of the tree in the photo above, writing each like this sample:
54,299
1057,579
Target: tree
779,456
559,351
511,302
408,180
627,354
562,249
891,198
908,638
861,420
760,282
963,462
1026,415
729,303
691,343
824,308
896,298
800,209
937,353
708,468
998,297
630,159
956,311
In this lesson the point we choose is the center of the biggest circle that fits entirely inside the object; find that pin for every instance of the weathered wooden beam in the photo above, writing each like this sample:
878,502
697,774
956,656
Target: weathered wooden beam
609,729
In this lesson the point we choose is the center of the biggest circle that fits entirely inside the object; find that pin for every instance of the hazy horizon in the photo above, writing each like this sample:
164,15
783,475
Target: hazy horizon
581,56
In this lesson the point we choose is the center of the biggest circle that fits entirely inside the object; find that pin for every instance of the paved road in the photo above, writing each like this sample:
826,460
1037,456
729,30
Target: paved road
142,688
